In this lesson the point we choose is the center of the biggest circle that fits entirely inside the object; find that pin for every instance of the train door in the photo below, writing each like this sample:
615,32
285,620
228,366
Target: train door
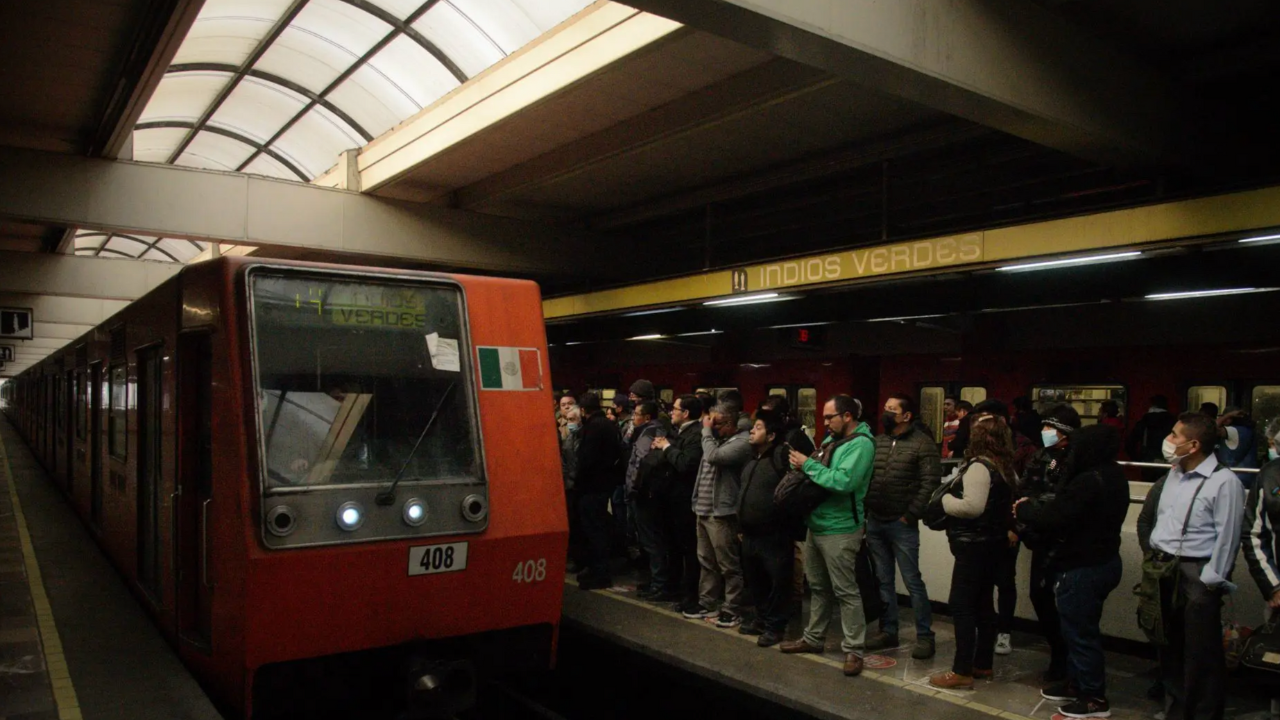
932,397
96,391
148,467
68,431
194,488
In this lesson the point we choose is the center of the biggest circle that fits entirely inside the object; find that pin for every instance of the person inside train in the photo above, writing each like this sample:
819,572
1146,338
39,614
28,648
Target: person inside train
1237,447
1109,414
960,440
1047,470
950,422
1193,517
682,452
1025,419
600,470
725,449
843,466
1144,441
1082,518
1261,518
908,467
768,557
977,532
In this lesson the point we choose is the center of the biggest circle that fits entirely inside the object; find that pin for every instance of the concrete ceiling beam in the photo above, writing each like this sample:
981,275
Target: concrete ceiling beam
56,310
170,201
71,276
1007,64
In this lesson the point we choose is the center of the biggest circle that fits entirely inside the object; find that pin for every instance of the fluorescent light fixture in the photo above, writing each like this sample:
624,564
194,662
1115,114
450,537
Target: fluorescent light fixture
748,299
1089,260
905,317
648,337
1206,293
659,311
575,342
1260,238
701,332
796,325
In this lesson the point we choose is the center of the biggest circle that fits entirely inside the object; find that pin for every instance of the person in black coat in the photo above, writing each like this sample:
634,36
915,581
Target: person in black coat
1143,444
1083,519
600,469
682,452
768,556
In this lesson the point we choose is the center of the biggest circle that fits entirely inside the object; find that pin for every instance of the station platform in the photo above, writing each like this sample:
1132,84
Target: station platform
74,643
893,685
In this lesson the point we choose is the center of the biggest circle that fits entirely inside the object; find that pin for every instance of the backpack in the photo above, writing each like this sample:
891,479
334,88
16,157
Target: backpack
798,495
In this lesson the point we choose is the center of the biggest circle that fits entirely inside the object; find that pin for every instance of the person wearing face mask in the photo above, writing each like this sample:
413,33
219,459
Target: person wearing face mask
907,470
1194,516
1261,518
1045,472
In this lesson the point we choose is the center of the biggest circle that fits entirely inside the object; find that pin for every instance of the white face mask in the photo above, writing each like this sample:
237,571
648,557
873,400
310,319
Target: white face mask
1271,453
1170,451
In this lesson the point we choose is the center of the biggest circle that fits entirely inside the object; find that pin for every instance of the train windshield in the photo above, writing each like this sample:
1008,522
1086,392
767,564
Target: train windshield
349,371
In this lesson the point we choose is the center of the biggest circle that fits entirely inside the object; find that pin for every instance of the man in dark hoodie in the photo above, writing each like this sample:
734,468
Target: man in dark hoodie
908,467
768,557
1083,517
600,470
682,451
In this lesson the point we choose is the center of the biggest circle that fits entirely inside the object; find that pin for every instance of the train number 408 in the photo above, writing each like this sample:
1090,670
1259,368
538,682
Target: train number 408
530,571
431,559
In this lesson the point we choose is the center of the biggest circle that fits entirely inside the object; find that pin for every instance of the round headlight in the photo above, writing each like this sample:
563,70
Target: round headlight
350,515
415,512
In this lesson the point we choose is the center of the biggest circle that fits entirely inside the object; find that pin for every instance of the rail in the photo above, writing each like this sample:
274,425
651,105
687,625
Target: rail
1133,499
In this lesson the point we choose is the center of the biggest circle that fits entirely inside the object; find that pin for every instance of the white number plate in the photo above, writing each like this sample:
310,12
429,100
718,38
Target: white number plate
429,559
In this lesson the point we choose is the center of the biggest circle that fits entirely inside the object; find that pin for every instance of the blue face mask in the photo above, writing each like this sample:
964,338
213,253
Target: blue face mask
573,427
1271,453
1050,437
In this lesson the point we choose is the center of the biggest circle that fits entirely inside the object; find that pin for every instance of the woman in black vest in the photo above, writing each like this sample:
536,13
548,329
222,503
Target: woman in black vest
977,530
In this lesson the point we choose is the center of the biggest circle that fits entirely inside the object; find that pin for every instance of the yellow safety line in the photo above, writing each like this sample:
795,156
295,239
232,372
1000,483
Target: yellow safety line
885,678
55,662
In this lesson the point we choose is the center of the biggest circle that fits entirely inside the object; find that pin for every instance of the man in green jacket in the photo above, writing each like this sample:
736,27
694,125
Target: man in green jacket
836,529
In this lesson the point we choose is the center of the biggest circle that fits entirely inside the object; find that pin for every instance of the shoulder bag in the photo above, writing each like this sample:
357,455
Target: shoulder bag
1150,610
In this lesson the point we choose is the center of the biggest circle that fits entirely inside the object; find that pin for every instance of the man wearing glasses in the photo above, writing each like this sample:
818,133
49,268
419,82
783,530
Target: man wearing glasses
842,466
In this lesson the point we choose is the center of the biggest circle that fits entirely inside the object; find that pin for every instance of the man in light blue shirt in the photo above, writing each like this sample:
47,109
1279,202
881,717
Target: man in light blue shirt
1193,665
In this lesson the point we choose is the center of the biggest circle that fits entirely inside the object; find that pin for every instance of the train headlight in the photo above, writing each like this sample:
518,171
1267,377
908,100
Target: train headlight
350,516
415,512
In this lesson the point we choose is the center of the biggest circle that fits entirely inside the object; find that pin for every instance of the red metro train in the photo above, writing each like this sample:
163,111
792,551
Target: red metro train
308,475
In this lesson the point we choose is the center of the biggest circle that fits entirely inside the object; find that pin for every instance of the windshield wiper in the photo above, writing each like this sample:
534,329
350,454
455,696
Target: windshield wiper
388,496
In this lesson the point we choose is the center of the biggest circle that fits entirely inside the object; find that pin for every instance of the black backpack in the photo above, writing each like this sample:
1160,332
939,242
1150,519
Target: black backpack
798,496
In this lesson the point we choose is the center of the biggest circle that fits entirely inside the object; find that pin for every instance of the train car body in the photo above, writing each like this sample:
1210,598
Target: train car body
232,440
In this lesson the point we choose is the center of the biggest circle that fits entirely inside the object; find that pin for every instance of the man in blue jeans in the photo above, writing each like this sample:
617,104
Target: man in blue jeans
908,466
1082,519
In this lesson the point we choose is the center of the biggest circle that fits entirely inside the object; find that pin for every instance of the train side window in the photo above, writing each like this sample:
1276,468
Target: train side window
973,393
1198,395
807,408
118,418
1265,406
931,412
1087,399
667,396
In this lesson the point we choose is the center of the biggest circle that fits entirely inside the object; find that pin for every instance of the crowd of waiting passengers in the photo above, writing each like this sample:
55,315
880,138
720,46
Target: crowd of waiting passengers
718,500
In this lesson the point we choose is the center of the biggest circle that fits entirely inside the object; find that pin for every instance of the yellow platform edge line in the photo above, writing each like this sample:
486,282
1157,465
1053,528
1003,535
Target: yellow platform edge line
65,694
822,659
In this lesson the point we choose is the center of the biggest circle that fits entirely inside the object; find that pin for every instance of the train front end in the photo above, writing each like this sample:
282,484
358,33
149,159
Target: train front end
407,529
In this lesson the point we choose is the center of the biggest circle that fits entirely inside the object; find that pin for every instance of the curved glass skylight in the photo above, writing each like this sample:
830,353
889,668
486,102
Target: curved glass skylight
282,87
95,243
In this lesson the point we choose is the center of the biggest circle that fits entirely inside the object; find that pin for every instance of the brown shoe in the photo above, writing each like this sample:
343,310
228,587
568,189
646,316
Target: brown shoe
852,665
951,681
799,646
983,674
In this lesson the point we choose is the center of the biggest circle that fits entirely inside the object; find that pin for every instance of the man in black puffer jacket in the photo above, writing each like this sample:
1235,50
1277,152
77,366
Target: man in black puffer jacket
908,466
1083,518
768,557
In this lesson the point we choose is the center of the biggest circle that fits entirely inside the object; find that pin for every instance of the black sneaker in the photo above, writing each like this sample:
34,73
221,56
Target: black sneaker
728,620
646,593
697,612
769,638
1087,708
751,627
1063,692
664,596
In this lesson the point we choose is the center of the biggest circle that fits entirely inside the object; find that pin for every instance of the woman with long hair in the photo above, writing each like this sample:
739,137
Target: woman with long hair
977,531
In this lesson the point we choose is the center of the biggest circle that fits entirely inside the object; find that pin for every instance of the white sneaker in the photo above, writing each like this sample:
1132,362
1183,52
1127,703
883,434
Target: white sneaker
1004,644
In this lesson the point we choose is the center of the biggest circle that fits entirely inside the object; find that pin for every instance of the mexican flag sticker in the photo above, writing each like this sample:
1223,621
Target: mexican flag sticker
509,368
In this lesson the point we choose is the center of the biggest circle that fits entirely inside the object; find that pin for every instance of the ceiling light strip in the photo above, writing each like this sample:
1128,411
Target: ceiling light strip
1088,260
1207,293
